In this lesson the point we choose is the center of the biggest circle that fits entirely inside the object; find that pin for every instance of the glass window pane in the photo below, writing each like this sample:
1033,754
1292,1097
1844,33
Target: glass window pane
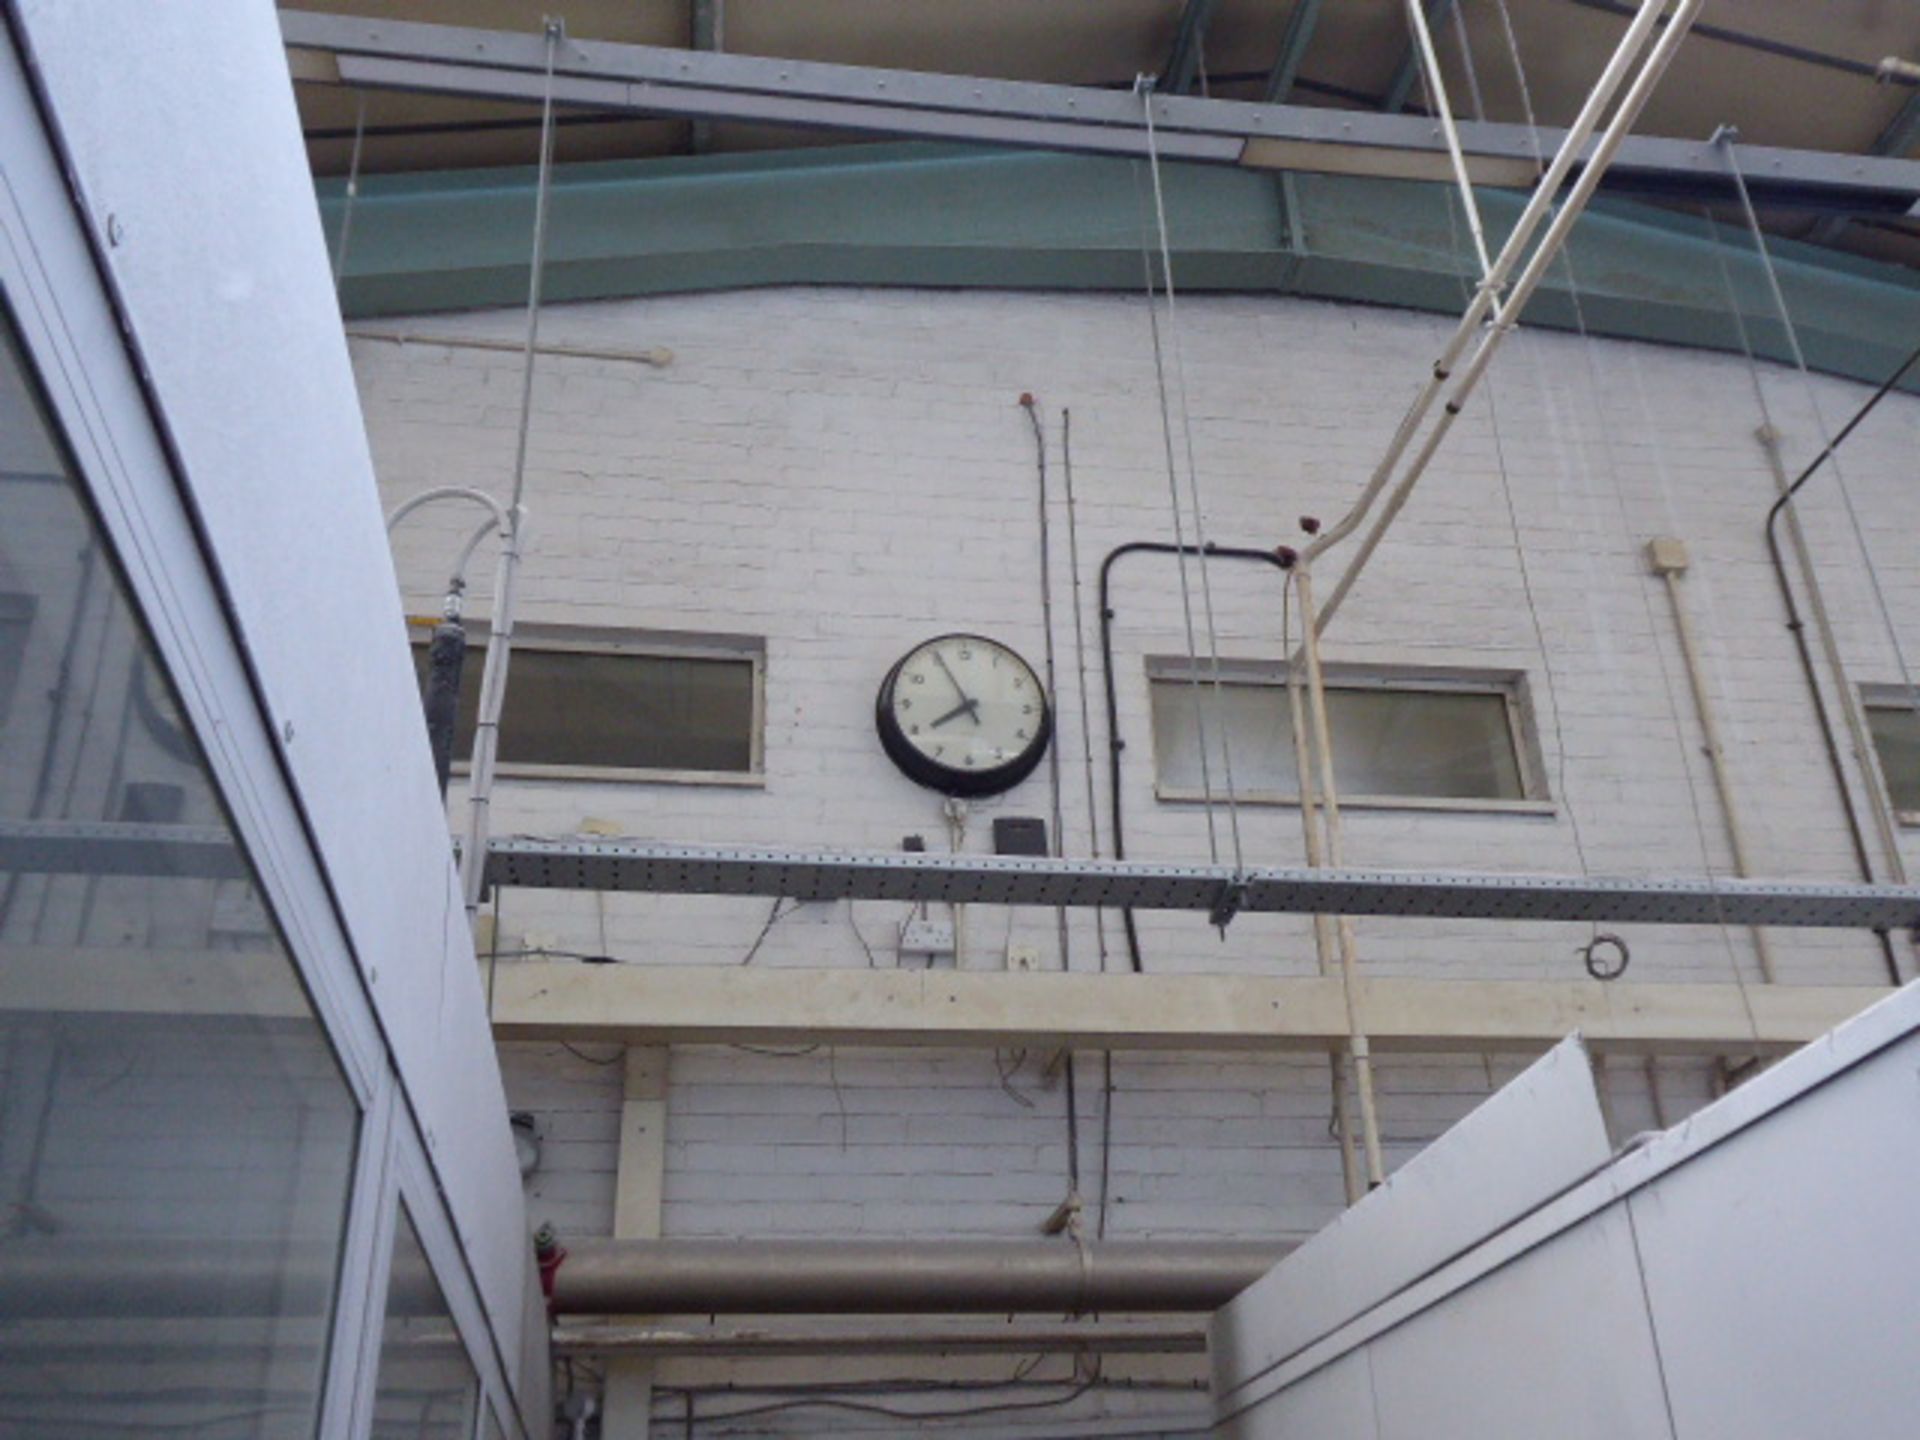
1254,718
616,710
1423,744
1401,744
1896,737
426,1388
176,1136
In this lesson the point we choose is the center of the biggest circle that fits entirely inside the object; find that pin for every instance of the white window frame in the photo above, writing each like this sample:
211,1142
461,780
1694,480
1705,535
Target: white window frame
661,644
1884,696
1509,685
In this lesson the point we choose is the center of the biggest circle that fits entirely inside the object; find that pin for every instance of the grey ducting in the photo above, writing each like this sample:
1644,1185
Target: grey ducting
787,1277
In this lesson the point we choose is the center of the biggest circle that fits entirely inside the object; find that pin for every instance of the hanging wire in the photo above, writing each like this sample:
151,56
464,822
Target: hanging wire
352,194
1727,142
1506,478
1597,390
1080,663
542,187
1193,493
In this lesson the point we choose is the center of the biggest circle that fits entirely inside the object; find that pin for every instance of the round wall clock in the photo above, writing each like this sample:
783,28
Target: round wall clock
963,715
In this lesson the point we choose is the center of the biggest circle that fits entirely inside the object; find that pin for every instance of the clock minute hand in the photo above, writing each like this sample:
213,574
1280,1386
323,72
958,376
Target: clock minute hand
968,704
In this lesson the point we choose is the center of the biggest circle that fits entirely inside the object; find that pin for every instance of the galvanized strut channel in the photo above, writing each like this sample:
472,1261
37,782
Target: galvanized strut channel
1000,880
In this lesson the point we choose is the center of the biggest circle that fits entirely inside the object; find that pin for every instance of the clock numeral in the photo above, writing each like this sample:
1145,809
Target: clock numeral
917,679
1019,734
913,729
1019,682
905,703
969,762
939,749
1024,709
966,654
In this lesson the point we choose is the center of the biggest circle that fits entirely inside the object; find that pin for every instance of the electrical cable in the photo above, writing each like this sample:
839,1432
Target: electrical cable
1726,140
1080,662
869,1407
1199,517
1115,743
1058,842
1796,625
774,916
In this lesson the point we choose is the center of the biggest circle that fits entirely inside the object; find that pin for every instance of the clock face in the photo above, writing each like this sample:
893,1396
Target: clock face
964,714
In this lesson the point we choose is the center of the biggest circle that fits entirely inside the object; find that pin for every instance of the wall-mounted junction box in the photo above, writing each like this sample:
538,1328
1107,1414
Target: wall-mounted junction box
931,940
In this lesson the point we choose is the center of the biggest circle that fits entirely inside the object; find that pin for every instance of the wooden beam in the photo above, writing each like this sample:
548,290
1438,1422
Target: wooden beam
661,1005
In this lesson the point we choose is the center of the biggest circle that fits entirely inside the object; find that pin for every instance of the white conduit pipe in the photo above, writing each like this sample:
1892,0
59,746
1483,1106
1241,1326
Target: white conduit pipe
493,676
1584,124
1631,46
1358,1046
1669,562
1324,941
1437,89
1638,93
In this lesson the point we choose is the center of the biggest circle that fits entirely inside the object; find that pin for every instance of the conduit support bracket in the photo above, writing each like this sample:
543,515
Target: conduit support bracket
1005,880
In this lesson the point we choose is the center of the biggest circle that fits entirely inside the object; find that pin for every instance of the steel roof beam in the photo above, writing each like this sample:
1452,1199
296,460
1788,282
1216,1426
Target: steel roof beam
649,80
1407,72
1900,136
1293,50
1182,69
1000,880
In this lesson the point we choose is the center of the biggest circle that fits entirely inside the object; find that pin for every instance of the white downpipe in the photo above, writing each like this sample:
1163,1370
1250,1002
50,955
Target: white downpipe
486,730
1530,277
1329,804
1437,88
1584,124
493,678
510,524
1324,941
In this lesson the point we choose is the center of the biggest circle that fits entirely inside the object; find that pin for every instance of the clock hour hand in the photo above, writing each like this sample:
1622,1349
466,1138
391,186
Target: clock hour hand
965,707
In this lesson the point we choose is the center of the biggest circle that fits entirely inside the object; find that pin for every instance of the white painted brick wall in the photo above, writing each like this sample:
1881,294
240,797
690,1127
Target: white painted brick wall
846,472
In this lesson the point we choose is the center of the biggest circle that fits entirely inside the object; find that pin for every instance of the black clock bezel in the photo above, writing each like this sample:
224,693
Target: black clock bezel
923,769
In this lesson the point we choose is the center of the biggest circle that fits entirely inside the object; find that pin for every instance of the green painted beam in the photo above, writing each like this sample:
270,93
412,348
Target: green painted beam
1900,136
1301,23
955,216
1407,72
1182,69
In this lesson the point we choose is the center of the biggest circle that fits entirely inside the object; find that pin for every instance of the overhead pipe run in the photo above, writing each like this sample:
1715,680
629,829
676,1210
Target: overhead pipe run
900,1277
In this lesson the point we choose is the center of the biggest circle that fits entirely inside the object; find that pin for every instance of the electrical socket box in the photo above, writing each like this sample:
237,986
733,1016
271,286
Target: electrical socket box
931,939
1023,957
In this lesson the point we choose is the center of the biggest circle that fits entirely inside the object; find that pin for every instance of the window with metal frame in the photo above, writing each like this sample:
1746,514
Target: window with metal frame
621,705
1894,724
1424,737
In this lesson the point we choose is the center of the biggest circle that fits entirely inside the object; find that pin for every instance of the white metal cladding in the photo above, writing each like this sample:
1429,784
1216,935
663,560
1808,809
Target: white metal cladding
1001,880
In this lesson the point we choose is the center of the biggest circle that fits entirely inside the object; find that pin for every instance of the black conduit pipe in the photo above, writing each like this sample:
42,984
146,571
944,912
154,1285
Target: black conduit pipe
1114,743
446,656
1798,628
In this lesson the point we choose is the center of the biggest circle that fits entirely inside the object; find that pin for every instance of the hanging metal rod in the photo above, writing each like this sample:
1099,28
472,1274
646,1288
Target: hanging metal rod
503,65
1002,880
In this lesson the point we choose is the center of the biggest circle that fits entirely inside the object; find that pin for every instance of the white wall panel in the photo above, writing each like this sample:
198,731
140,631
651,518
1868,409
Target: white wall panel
1783,1270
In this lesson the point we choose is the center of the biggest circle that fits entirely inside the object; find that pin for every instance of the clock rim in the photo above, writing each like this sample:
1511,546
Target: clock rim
922,768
